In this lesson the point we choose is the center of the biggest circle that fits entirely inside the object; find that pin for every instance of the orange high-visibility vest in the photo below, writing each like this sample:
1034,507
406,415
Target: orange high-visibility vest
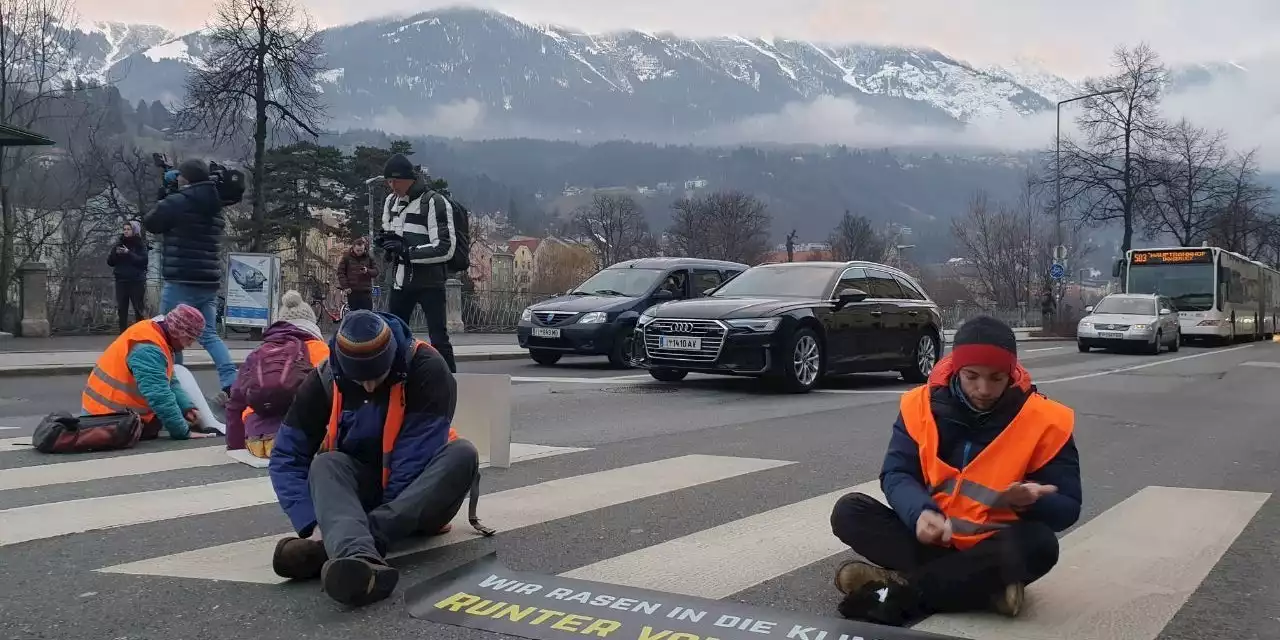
390,427
111,387
317,353
970,497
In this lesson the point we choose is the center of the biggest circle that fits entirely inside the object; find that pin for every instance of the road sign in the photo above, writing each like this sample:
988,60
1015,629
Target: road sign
1059,253
1057,271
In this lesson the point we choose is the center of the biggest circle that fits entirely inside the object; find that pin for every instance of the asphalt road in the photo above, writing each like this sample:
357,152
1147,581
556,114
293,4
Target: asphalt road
1201,419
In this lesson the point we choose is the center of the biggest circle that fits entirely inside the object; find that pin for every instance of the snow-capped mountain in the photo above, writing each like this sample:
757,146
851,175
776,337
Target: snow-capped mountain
102,45
460,67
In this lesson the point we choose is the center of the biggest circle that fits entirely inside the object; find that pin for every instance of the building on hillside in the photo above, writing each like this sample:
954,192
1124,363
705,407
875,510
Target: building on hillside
522,250
695,184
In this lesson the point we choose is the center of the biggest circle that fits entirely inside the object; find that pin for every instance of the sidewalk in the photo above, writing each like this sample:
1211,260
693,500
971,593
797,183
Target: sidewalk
77,354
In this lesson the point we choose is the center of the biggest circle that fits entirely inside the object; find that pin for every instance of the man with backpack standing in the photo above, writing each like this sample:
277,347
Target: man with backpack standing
368,454
425,237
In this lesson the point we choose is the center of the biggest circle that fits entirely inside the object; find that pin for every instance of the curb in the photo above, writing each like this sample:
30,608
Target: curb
84,369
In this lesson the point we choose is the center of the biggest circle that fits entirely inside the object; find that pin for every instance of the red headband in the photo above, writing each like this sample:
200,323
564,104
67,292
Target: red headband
986,355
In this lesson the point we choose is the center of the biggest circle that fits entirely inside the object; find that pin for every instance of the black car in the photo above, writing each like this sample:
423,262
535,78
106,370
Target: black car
795,323
599,316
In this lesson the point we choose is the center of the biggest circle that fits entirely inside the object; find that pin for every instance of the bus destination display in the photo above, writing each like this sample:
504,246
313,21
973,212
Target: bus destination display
1172,257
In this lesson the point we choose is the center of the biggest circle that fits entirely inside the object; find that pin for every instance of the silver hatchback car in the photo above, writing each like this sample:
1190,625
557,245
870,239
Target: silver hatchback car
1130,319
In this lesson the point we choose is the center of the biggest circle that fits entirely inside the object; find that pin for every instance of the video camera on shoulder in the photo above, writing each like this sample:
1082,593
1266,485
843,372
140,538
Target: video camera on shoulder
229,182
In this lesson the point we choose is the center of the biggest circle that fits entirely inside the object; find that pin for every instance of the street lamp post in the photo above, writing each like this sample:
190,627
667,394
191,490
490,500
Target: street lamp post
1057,157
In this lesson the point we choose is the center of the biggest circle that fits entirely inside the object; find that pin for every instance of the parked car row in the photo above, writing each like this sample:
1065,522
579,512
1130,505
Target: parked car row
792,324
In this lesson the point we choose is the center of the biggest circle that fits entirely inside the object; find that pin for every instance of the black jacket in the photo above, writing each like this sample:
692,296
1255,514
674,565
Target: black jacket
192,224
425,220
131,266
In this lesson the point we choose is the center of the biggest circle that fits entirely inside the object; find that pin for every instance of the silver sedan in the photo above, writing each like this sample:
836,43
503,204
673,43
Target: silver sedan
1124,320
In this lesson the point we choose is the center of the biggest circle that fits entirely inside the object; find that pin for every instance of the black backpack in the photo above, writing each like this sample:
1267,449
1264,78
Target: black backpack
461,260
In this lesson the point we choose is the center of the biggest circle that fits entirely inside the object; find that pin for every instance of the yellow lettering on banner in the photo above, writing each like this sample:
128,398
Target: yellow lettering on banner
545,615
570,622
458,601
514,612
648,634
485,608
687,636
602,628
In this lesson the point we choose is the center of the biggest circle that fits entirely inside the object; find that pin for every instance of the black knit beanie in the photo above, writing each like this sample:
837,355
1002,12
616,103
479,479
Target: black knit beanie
985,341
194,170
399,167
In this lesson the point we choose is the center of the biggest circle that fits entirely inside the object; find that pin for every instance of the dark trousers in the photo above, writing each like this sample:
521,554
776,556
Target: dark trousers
347,495
947,579
432,301
130,292
357,300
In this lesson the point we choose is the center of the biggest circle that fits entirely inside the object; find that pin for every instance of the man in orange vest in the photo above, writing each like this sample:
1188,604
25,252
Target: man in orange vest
368,454
135,373
982,471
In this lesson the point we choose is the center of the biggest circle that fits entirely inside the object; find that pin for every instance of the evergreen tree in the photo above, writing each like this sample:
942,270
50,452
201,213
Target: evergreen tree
161,119
300,178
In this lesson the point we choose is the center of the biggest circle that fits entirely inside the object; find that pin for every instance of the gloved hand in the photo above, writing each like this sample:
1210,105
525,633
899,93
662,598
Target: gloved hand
392,243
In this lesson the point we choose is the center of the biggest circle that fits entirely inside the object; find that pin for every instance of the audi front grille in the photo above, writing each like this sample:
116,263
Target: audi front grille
710,334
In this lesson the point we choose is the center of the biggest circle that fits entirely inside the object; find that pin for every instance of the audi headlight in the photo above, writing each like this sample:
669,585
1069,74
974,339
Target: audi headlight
595,317
644,320
526,315
760,325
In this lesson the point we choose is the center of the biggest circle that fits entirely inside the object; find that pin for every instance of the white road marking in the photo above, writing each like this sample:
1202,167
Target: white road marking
1124,574
554,380
1264,365
721,561
1044,349
2,428
1145,365
22,443
114,467
897,392
250,560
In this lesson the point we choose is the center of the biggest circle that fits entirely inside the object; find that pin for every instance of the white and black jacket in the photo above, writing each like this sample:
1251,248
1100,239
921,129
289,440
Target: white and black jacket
425,220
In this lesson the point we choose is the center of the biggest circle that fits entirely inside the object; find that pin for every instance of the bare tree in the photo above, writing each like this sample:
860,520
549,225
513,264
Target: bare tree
1192,181
1110,174
725,225
615,228
1244,222
562,266
260,66
854,238
35,52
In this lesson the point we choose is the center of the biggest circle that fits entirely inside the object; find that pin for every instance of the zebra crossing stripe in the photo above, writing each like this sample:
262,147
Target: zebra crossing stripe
1124,574
710,563
250,560
22,443
112,467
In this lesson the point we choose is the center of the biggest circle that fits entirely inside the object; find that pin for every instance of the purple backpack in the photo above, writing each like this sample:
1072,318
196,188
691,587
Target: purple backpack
274,374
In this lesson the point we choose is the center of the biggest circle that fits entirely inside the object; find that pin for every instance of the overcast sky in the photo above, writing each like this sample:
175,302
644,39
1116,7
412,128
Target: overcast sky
1072,37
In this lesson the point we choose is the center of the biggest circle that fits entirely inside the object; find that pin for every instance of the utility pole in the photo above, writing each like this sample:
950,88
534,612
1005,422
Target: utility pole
1057,158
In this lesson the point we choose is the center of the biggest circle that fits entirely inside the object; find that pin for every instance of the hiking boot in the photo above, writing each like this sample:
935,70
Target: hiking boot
299,559
854,574
358,581
1009,601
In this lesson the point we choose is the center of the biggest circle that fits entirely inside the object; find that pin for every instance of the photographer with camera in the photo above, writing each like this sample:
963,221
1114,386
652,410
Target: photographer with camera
191,223
423,238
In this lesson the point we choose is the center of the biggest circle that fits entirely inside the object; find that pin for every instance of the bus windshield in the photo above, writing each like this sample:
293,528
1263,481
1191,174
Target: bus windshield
1190,286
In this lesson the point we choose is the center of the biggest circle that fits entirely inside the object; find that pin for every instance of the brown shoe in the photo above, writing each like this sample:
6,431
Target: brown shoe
299,559
1009,602
855,574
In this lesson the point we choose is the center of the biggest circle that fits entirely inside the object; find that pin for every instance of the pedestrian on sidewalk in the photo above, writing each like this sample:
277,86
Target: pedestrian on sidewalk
136,373
419,240
356,272
128,262
367,453
293,334
192,224
982,471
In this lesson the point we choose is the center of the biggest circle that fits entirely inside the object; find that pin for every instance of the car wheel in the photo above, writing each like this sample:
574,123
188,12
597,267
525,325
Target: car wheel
1083,346
668,375
621,355
1176,343
923,359
801,367
1154,347
545,358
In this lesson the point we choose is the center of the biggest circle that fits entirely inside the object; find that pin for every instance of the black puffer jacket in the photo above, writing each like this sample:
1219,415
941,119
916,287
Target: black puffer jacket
130,266
192,224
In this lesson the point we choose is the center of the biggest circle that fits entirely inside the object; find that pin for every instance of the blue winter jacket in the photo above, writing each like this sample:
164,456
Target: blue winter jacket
963,433
430,399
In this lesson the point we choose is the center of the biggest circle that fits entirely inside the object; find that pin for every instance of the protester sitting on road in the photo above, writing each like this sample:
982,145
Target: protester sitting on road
981,471
293,335
368,454
136,373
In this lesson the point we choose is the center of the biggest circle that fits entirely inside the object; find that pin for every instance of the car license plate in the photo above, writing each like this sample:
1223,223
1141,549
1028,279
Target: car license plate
680,344
1110,334
543,332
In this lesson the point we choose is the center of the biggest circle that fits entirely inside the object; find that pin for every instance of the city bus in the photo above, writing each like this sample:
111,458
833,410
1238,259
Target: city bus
1221,296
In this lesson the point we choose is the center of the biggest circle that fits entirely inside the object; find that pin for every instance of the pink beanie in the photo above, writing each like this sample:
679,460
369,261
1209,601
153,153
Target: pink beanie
185,323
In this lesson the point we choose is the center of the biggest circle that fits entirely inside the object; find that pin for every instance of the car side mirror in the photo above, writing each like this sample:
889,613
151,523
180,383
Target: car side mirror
1165,312
1088,309
849,296
662,294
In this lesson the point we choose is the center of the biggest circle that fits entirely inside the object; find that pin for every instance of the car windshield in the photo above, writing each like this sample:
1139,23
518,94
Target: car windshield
631,283
779,281
1133,306
1190,286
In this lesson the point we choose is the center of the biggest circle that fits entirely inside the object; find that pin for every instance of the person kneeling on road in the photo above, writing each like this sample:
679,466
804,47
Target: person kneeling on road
982,471
367,453
135,373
